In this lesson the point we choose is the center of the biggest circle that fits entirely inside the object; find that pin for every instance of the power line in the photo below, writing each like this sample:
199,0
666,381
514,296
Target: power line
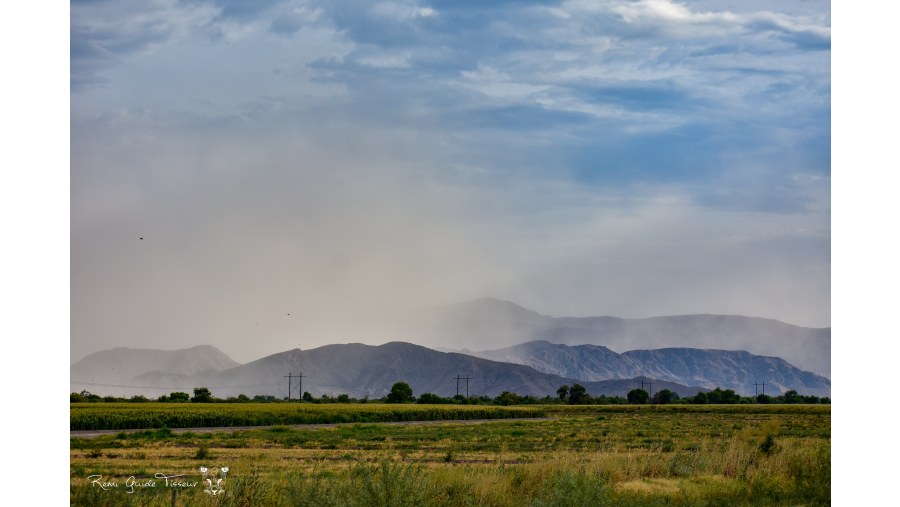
79,382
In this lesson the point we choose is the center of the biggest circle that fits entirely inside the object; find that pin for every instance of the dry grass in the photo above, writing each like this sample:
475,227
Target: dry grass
612,459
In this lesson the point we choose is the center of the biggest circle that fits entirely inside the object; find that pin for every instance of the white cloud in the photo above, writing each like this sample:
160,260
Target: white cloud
396,11
677,19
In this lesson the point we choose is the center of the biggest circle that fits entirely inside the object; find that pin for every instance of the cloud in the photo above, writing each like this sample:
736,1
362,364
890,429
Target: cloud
680,21
104,33
291,22
353,159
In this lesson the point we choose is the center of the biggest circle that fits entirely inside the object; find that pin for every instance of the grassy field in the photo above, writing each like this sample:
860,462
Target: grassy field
589,455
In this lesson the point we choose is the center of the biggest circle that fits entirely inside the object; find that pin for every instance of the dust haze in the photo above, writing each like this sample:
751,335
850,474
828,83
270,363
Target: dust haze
293,174
258,242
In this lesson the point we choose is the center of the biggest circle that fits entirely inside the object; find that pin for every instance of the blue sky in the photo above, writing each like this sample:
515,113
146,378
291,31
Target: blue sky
345,161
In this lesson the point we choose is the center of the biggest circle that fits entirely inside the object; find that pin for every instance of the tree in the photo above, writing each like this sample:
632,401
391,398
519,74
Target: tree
307,397
179,397
201,395
562,392
792,397
728,396
578,394
429,398
343,398
508,398
400,393
638,397
665,396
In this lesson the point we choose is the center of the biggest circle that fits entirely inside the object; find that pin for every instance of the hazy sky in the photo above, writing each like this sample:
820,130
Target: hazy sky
344,162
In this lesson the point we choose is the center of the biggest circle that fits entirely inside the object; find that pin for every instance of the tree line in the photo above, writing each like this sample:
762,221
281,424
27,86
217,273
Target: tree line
401,392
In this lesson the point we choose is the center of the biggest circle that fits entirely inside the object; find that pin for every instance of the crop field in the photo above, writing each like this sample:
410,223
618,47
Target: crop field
585,455
119,416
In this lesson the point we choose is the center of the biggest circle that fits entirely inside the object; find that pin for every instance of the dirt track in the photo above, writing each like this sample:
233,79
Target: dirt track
97,433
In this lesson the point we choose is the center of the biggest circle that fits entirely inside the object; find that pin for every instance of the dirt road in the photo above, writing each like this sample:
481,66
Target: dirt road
97,433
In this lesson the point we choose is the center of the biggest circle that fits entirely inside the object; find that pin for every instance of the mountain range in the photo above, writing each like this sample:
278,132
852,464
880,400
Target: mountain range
369,371
728,369
121,364
529,353
493,323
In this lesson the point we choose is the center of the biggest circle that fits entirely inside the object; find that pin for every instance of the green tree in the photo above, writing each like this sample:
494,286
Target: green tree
638,397
727,397
201,395
307,397
400,393
792,397
179,397
665,396
429,398
562,392
578,395
508,398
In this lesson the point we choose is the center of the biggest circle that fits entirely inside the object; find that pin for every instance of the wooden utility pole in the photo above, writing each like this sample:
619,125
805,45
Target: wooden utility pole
288,376
763,384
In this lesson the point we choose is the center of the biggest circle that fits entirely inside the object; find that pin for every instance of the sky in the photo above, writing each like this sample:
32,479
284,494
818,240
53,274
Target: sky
266,175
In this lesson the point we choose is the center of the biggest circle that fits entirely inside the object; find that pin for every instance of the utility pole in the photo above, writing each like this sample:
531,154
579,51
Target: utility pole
300,399
649,384
291,377
458,378
763,384
288,376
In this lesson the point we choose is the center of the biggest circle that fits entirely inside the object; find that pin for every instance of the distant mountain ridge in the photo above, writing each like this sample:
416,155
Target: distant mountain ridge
122,364
370,371
493,323
737,370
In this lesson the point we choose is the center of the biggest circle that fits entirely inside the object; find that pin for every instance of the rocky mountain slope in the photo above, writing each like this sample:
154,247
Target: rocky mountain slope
737,370
492,323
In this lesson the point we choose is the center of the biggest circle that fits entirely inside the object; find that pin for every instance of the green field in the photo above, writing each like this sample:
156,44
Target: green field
118,416
587,455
